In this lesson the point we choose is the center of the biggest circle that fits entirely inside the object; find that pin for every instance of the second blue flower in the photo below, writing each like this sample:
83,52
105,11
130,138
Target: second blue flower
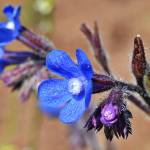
70,95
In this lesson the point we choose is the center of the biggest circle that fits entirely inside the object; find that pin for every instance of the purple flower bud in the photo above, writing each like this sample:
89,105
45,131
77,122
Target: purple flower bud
109,114
113,114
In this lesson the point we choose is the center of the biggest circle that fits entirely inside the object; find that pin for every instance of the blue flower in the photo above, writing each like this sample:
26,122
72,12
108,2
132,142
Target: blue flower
10,30
71,95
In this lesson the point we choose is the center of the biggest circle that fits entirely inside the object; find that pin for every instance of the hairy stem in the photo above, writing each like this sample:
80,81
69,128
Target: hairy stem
96,43
98,83
34,41
139,103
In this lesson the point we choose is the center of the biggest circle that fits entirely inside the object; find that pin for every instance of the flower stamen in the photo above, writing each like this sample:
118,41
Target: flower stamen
75,86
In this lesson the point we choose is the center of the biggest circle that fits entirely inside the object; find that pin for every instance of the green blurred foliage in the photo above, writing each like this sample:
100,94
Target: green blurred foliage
8,147
40,15
44,7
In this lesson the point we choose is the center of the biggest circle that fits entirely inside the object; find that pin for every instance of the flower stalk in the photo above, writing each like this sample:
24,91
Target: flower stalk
34,41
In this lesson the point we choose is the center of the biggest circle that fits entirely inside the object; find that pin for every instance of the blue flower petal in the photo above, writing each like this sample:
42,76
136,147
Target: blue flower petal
51,112
2,52
6,36
73,111
84,63
88,93
16,13
54,93
8,11
11,12
60,63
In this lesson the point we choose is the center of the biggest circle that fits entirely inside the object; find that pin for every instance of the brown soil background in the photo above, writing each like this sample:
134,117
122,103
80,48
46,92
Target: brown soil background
120,21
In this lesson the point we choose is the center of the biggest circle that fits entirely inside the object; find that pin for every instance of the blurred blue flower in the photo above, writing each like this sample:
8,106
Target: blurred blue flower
14,57
10,30
3,62
2,65
69,96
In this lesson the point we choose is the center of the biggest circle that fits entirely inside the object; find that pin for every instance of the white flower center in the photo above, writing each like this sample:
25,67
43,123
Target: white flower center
75,86
10,25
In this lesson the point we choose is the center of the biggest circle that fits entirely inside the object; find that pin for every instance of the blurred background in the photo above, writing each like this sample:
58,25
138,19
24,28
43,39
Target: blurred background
22,126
